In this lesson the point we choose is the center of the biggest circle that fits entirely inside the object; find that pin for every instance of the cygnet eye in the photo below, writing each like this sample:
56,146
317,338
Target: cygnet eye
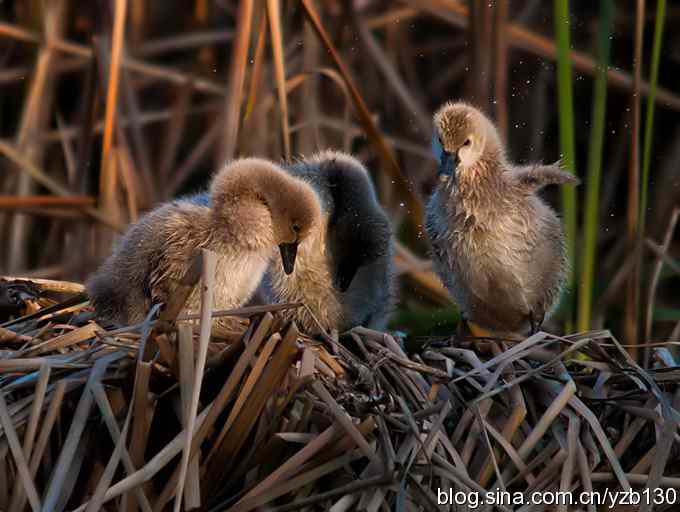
467,142
296,228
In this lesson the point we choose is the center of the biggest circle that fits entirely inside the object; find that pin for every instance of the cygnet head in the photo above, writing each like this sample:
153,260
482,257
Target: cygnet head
462,136
257,205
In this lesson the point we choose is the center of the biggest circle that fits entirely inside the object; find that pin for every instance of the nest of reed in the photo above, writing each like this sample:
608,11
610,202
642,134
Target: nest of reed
278,420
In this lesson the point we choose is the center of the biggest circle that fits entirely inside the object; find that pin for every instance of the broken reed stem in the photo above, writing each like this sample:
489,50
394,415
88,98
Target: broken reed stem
207,291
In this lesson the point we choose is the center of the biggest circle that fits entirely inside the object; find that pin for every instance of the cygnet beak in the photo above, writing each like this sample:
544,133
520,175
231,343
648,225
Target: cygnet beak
342,282
448,164
344,274
288,253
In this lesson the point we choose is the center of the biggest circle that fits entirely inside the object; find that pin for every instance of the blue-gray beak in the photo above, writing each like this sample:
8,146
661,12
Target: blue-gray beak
448,163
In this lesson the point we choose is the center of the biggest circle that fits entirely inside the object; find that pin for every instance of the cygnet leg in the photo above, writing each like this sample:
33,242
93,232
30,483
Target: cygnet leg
478,331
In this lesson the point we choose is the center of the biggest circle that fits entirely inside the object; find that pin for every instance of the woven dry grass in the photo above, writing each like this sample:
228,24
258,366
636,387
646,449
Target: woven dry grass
92,418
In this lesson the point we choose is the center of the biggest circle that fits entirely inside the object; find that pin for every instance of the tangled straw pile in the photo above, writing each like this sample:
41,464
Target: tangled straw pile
90,417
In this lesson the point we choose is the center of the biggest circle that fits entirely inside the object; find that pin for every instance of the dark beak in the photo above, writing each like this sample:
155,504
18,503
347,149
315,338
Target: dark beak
344,275
448,164
288,253
342,283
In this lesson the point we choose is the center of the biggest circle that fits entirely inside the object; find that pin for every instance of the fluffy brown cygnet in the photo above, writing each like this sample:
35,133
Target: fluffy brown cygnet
255,207
498,247
344,272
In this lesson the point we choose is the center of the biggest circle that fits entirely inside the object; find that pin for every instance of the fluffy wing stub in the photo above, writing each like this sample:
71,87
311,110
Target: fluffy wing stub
535,177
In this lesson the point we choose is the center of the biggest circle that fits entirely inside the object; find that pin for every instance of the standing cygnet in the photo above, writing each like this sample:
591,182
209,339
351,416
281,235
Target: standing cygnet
496,245
255,207
344,272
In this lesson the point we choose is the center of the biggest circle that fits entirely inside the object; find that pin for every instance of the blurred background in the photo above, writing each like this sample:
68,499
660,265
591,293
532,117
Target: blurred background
109,107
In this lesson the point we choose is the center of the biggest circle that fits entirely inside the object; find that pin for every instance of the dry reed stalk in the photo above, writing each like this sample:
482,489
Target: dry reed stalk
659,251
130,183
65,340
108,179
152,467
480,52
119,438
346,424
50,284
145,179
19,458
207,292
271,379
290,467
192,496
513,422
237,74
257,67
68,452
632,303
220,402
292,484
19,496
142,420
247,388
273,14
97,499
34,117
14,202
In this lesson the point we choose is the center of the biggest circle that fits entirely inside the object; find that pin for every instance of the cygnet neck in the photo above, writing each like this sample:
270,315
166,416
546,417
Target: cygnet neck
479,192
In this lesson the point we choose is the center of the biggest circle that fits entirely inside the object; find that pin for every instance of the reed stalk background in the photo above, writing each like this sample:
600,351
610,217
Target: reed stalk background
109,107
